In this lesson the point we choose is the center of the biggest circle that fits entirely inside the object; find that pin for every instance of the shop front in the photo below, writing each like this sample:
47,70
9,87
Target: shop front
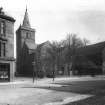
4,72
7,67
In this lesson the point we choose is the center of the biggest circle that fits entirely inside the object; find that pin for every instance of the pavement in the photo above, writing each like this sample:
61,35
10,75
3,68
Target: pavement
44,81
24,92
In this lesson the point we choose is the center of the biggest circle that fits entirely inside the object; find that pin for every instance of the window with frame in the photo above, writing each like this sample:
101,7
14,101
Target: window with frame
2,28
2,49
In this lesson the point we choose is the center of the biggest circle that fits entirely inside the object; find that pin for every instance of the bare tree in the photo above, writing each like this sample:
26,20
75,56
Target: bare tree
72,42
86,41
54,56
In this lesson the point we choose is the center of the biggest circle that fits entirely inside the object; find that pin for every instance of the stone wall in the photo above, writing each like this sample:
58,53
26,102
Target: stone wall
8,37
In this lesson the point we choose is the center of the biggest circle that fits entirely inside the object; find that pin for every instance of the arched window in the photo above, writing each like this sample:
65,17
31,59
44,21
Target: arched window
27,35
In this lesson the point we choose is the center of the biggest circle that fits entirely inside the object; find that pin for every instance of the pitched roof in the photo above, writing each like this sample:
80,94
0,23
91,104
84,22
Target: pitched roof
31,45
44,43
91,49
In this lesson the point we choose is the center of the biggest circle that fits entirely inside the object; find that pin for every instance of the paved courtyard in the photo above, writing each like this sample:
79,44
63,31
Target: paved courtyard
46,92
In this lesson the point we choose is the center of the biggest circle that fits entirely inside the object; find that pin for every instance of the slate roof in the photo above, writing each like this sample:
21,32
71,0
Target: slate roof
91,49
31,45
44,43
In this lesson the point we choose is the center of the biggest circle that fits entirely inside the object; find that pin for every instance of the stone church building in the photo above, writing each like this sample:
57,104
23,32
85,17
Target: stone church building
7,61
88,60
25,42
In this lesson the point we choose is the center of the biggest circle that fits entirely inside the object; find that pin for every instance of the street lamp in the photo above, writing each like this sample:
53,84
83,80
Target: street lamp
33,63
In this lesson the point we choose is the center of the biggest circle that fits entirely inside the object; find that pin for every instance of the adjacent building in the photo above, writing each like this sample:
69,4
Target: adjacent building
7,61
90,59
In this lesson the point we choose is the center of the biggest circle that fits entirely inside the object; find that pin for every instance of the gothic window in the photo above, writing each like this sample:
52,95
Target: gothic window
2,28
28,35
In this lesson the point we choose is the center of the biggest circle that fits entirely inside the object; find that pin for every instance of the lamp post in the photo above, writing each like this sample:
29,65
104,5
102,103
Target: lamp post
33,63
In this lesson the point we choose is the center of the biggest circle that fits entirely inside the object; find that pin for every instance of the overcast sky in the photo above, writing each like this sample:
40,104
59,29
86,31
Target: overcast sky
53,19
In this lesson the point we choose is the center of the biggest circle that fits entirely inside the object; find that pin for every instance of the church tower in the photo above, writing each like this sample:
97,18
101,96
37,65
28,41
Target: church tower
25,43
